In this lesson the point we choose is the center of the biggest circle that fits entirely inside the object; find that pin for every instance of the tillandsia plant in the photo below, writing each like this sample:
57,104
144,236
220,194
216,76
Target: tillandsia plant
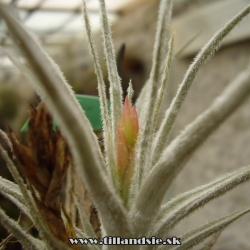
128,181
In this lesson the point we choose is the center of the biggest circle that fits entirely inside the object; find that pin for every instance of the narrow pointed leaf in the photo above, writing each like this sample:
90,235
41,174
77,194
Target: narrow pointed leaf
144,145
141,100
108,142
200,234
206,52
88,230
172,161
6,139
187,203
63,104
212,241
12,192
9,187
164,80
114,80
13,170
27,241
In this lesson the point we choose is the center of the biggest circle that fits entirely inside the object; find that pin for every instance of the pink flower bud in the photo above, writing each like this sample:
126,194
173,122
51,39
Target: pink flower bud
127,131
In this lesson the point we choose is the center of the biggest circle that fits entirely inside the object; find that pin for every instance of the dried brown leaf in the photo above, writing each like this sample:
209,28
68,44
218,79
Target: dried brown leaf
25,162
53,220
44,164
62,161
40,133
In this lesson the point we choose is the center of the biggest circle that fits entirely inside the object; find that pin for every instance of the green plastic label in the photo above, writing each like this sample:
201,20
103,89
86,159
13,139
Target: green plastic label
91,106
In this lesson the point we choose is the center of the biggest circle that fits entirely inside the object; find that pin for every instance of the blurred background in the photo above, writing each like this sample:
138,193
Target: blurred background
59,26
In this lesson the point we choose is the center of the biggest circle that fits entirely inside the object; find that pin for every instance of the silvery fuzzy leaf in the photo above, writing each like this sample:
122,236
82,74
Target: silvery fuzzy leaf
143,150
201,233
63,104
27,241
203,56
12,192
159,179
183,205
